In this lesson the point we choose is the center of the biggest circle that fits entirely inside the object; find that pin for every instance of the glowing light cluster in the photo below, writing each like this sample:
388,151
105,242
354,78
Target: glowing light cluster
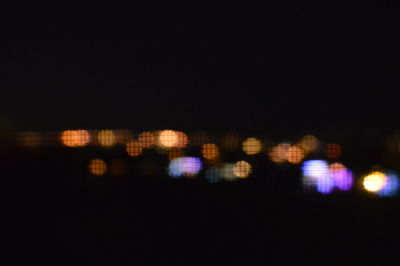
147,139
171,138
309,143
252,146
384,184
106,138
286,152
97,167
184,166
75,138
210,151
324,177
134,148
242,169
294,154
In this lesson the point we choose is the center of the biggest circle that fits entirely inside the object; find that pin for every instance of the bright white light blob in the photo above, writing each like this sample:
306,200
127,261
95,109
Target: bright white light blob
184,166
325,178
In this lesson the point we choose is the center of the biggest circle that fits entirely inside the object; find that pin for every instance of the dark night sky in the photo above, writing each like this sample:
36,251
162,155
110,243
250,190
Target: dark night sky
291,65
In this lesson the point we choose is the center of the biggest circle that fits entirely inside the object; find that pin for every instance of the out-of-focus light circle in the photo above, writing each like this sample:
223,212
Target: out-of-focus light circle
182,139
391,187
134,148
278,153
294,155
184,166
242,169
97,167
210,151
213,174
252,146
106,138
227,172
333,150
75,138
168,138
147,139
316,174
375,181
315,168
309,143
342,176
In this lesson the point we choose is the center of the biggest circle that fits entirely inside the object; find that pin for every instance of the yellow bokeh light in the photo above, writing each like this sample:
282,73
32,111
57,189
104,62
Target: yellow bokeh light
134,148
252,146
147,139
168,138
75,138
294,155
374,181
309,143
210,151
278,154
106,138
97,167
242,169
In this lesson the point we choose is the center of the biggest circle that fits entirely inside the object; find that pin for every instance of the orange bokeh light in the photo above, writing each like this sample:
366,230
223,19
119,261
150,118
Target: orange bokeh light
210,151
75,138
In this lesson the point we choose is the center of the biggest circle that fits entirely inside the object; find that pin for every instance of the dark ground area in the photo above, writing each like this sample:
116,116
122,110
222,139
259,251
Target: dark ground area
54,213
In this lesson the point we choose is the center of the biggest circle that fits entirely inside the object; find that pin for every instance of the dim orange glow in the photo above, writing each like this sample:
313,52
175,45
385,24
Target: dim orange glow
147,139
175,153
210,151
117,167
122,136
242,169
183,139
75,138
294,155
278,153
97,167
134,148
231,142
30,139
252,146
168,138
106,138
200,138
333,150
309,143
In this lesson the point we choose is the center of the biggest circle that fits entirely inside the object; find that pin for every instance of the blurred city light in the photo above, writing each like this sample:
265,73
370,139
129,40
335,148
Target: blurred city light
106,138
97,167
294,154
242,169
184,166
309,143
210,151
75,138
168,138
252,146
147,139
278,154
134,148
374,181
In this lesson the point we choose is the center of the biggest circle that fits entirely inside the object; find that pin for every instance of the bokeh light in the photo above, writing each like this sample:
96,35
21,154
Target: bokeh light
75,138
147,139
309,143
294,154
242,169
134,148
342,176
374,181
391,187
97,167
213,174
184,166
106,138
210,151
183,139
168,138
316,175
252,146
277,154
227,172
333,150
